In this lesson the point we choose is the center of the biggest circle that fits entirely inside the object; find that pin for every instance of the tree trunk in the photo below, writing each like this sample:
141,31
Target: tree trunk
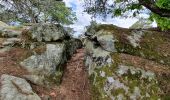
155,9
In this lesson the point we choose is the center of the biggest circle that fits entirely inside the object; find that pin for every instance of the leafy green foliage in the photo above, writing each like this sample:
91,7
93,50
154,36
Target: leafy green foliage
62,14
36,11
116,8
163,4
162,22
134,6
123,7
117,12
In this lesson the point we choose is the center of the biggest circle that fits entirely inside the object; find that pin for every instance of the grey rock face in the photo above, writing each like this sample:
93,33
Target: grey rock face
51,46
14,88
5,49
103,38
96,57
135,38
47,32
72,45
9,33
46,63
111,77
142,24
11,41
37,79
107,42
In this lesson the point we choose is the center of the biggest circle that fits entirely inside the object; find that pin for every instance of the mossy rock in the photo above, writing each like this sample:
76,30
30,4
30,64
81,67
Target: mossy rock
129,79
130,85
130,76
152,45
45,32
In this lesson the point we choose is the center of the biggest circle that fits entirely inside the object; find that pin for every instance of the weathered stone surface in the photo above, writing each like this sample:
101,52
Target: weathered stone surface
9,31
5,49
45,32
52,47
49,46
11,41
112,77
144,43
142,24
107,42
37,79
48,62
14,88
96,57
72,45
2,24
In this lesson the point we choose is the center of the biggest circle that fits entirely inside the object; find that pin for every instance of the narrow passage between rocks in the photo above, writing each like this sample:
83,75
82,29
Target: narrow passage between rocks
75,83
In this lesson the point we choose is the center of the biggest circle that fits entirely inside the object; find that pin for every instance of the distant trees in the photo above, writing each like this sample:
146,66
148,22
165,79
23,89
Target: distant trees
37,11
160,9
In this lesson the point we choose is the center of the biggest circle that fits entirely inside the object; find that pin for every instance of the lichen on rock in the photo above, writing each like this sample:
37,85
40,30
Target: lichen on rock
48,62
135,38
51,47
46,32
143,43
126,82
14,88
121,79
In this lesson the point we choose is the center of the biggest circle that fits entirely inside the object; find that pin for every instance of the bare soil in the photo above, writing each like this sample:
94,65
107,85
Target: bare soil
75,83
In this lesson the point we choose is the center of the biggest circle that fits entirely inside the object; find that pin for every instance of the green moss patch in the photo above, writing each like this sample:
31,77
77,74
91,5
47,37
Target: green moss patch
123,81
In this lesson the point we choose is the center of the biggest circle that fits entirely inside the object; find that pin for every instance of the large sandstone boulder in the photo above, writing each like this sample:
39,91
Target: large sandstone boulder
14,88
152,45
127,64
10,41
45,32
51,47
48,62
9,31
2,24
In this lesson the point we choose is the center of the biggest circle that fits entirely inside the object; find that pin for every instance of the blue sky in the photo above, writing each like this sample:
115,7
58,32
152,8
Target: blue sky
83,19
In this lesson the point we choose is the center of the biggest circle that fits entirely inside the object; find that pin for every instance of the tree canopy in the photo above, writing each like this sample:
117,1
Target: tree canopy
159,10
37,11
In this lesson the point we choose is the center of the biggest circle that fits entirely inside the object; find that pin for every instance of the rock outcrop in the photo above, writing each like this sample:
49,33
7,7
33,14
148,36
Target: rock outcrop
9,31
51,47
14,88
142,24
9,36
126,63
48,47
151,45
46,32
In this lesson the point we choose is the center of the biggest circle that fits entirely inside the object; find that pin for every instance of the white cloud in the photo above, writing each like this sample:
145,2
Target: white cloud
84,18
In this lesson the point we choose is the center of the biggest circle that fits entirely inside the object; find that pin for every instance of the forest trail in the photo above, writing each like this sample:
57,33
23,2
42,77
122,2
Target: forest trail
75,83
